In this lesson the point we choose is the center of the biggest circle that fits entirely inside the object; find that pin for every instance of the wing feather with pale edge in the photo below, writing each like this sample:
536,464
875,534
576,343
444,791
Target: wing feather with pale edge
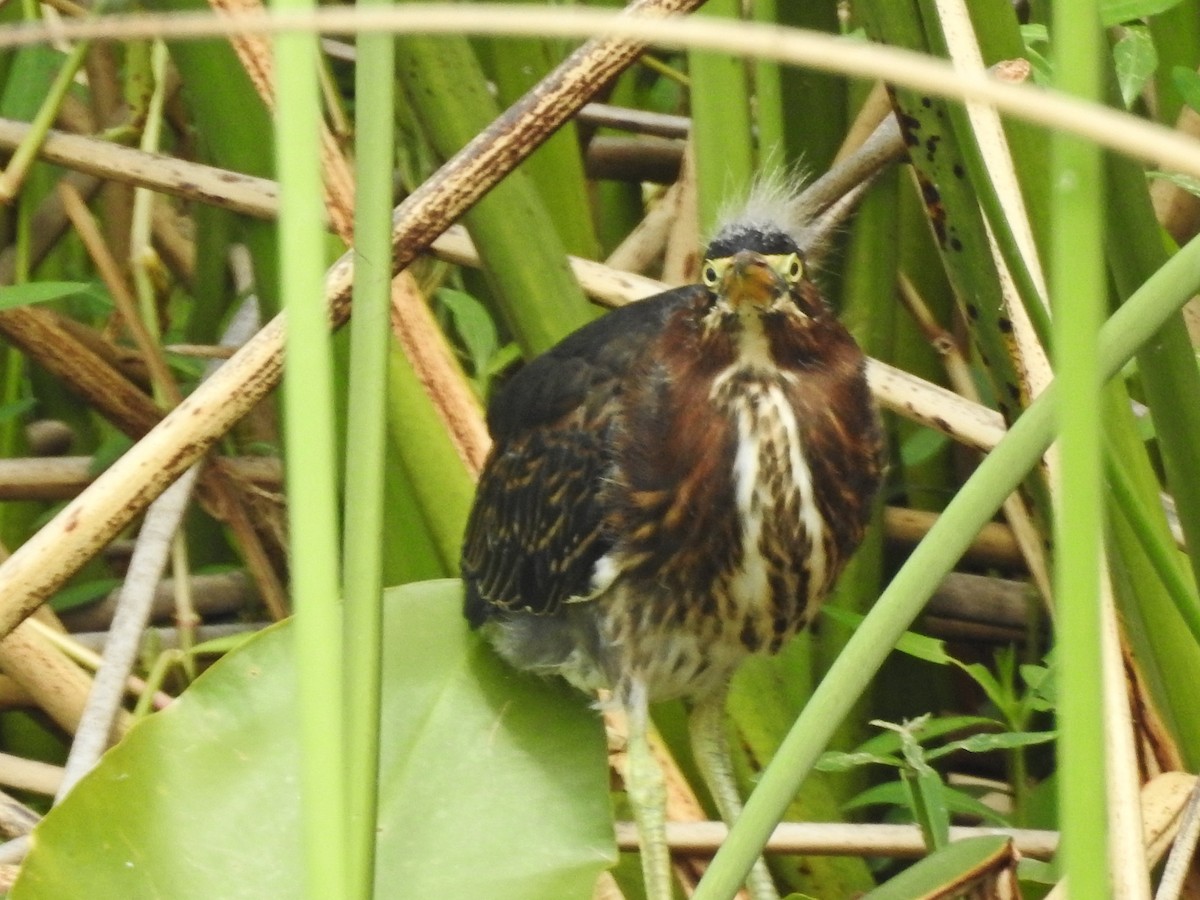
537,527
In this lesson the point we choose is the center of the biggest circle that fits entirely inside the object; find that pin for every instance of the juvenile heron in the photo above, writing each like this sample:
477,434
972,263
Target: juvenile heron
672,488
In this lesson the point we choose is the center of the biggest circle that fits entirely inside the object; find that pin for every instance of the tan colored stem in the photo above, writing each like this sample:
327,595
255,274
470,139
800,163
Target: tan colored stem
56,684
29,774
993,546
62,477
114,280
836,839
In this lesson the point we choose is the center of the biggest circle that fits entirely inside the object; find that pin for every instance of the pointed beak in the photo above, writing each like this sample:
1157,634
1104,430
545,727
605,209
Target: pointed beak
750,282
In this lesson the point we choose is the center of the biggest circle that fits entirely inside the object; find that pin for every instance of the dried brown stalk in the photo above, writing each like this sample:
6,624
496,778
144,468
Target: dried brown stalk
836,839
114,279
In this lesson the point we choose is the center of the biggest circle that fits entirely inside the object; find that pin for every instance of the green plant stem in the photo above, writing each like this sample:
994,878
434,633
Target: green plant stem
1018,777
159,670
722,131
309,423
365,453
367,421
26,154
767,79
997,476
1077,284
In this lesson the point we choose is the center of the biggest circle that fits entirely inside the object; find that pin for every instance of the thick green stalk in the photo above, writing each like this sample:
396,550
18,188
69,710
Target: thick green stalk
997,476
769,118
524,260
235,133
374,93
722,131
514,66
1167,365
1077,285
311,461
439,480
1176,33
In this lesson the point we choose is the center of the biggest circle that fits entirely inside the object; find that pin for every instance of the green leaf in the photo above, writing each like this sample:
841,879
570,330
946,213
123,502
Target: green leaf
894,793
961,803
889,741
927,800
918,645
983,743
1187,82
1035,33
15,295
493,783
942,868
891,793
1041,683
473,325
1114,12
1186,182
921,446
1039,871
504,357
837,761
31,71
1135,58
1031,35
221,645
996,692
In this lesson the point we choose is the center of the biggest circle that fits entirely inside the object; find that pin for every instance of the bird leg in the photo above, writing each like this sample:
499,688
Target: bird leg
710,746
647,792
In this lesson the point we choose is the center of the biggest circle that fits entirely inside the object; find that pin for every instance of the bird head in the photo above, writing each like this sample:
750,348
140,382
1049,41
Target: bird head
749,281
753,270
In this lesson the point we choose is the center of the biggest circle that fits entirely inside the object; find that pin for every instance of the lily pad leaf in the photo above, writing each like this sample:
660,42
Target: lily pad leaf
493,783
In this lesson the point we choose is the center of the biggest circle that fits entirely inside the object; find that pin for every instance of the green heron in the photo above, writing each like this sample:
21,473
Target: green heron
672,488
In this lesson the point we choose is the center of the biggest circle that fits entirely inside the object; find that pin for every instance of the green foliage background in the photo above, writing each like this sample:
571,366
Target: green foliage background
168,804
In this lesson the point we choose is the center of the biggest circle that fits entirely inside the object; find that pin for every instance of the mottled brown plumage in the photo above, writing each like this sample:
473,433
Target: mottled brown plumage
676,486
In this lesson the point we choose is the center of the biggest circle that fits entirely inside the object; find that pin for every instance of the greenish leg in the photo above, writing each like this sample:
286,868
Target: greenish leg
711,749
647,792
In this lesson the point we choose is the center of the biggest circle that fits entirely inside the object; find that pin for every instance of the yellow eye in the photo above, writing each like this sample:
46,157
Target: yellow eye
793,268
708,273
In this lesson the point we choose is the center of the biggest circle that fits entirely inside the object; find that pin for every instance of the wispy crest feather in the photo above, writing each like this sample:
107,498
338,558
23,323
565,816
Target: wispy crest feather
775,199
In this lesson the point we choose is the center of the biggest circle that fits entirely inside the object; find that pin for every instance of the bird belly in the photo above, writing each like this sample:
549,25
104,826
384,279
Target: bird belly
683,636
783,565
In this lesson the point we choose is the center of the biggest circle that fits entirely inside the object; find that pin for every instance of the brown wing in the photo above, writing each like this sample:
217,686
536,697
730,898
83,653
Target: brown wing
537,527
535,530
